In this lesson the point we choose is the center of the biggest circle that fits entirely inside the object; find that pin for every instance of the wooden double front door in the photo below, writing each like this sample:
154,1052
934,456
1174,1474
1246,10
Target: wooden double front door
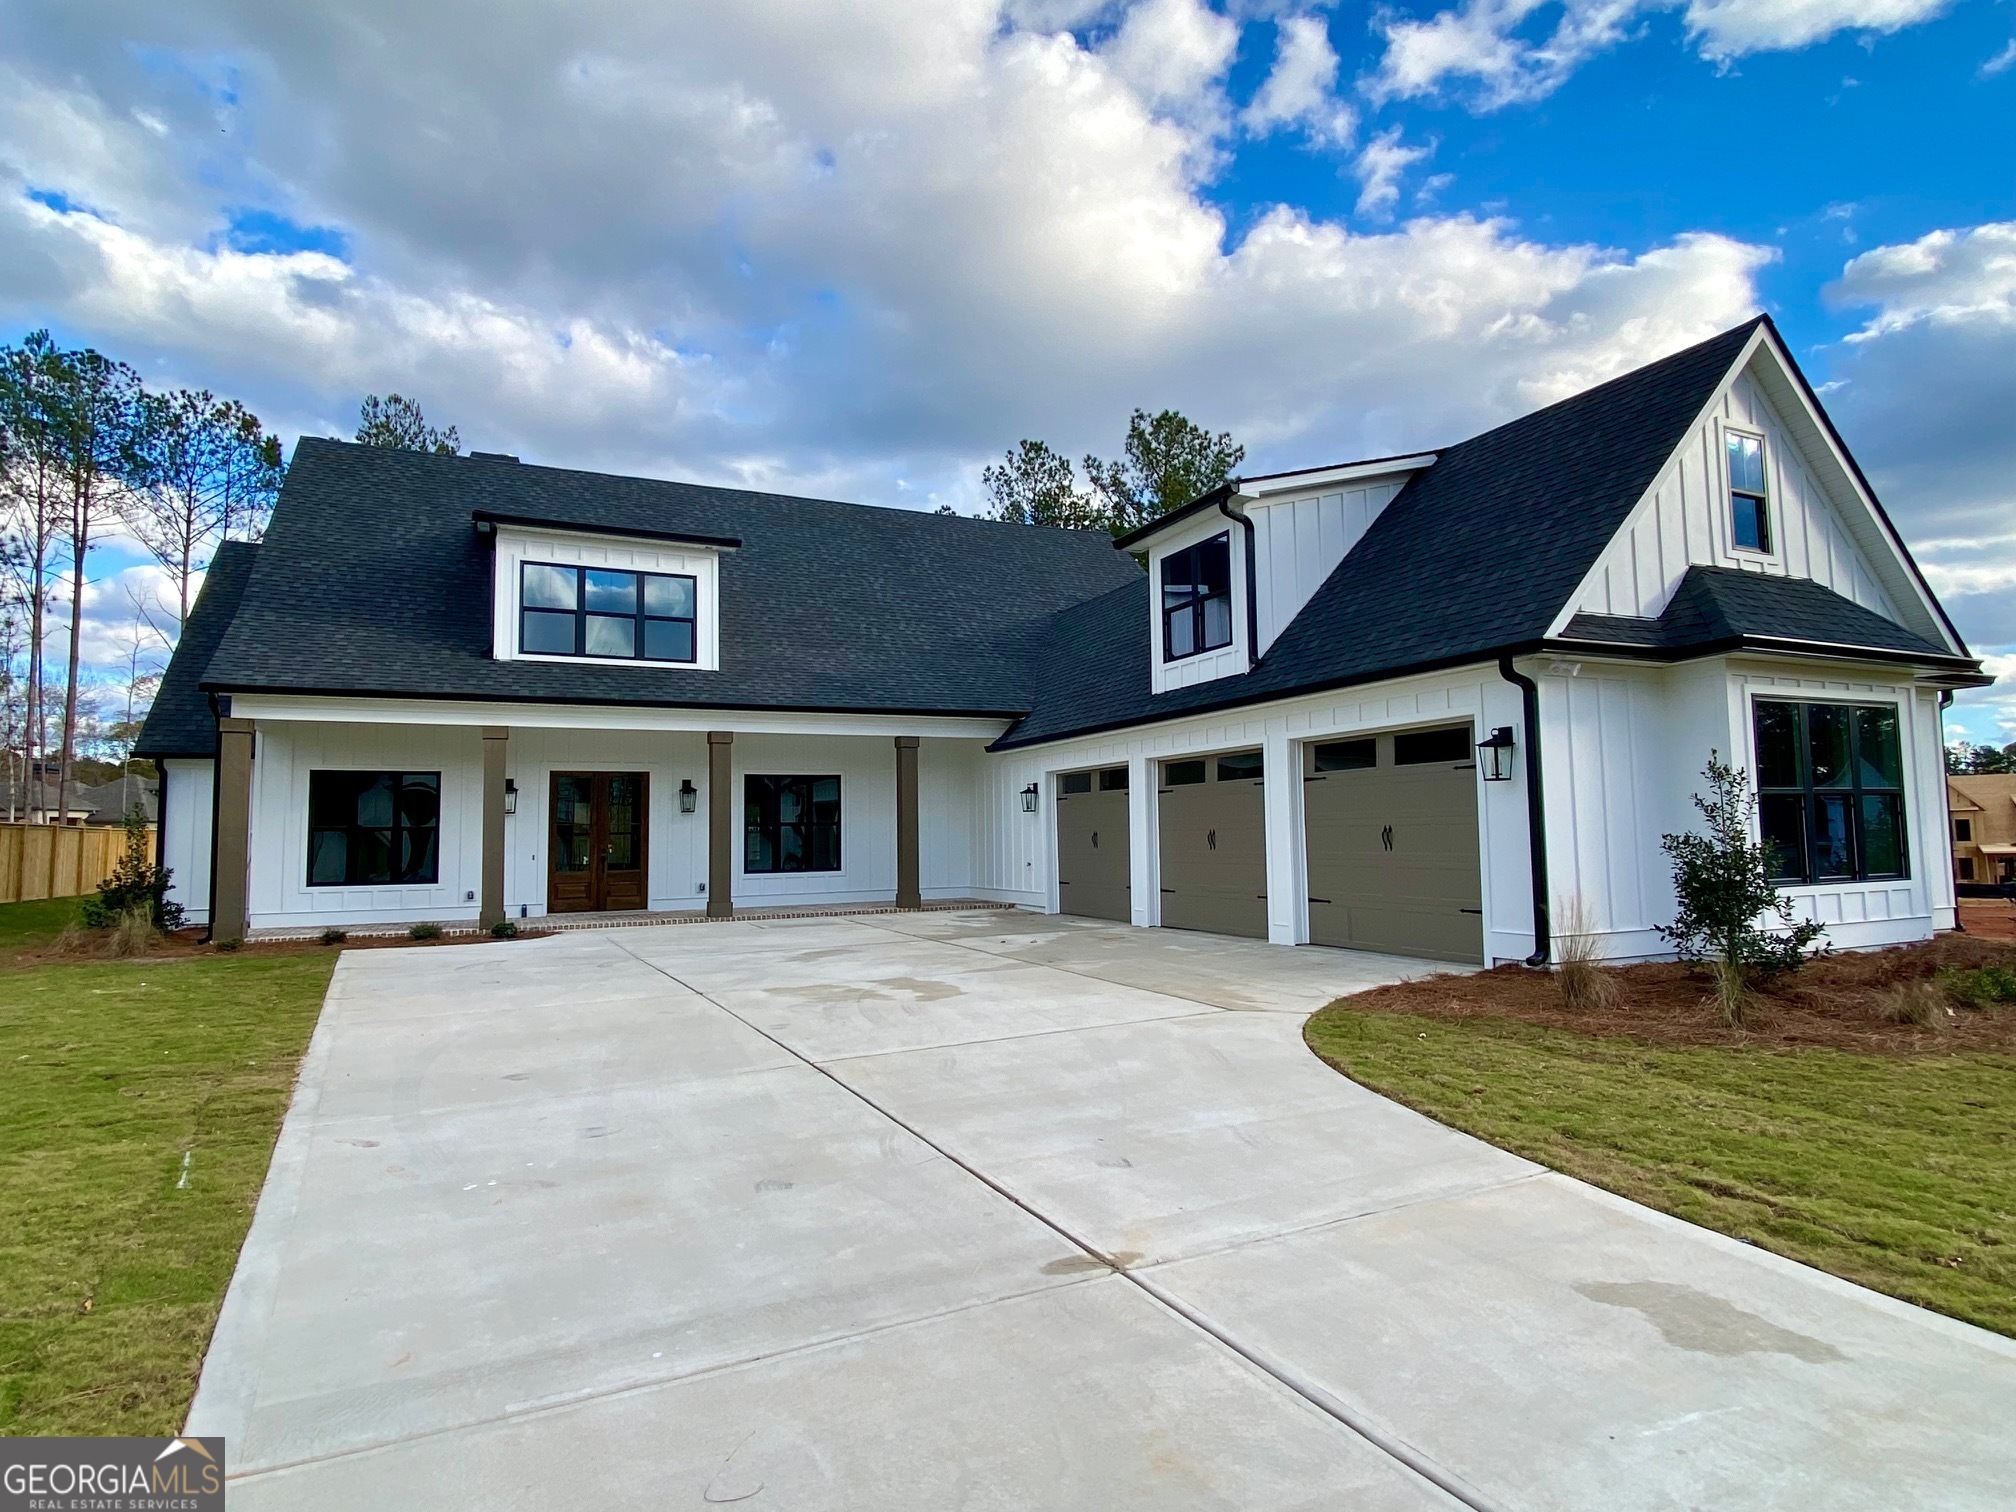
596,854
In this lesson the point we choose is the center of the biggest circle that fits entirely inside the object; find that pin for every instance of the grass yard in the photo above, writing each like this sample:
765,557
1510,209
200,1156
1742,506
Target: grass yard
113,1264
1893,1168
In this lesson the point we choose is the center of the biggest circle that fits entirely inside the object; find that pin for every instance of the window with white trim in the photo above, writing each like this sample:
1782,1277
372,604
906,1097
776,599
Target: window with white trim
1749,498
566,610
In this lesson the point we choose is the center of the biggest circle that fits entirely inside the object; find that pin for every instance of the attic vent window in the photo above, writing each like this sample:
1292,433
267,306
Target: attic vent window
1749,503
1197,598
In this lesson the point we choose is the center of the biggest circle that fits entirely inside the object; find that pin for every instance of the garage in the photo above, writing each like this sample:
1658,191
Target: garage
1214,849
1092,855
1391,823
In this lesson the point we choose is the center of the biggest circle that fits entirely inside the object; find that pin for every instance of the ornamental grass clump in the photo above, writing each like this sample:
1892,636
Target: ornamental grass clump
1586,985
1723,882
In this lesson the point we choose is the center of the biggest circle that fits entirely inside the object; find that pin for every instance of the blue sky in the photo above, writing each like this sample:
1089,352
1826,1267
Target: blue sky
859,250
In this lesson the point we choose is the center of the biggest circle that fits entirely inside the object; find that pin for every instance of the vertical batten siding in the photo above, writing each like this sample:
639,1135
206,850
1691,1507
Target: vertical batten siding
186,822
1686,522
1299,540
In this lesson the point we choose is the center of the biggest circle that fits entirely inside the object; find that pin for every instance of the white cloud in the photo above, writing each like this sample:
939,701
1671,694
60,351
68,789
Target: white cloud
1732,28
1508,51
2001,62
1300,90
855,253
1928,388
1378,171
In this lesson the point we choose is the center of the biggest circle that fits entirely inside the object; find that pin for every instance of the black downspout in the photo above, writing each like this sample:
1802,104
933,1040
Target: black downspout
1536,813
1252,579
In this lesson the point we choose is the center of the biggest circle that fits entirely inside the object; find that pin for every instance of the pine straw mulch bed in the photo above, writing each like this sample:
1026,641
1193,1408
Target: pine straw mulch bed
1836,1001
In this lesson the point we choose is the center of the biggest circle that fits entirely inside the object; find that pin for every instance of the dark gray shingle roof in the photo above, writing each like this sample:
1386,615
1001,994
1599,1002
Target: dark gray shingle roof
1720,606
373,579
180,722
1475,555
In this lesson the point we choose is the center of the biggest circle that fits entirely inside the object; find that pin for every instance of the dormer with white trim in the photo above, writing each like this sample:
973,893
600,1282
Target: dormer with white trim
570,593
1228,571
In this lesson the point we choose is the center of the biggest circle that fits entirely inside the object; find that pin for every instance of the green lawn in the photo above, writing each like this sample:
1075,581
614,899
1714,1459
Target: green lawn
112,1265
1898,1172
26,926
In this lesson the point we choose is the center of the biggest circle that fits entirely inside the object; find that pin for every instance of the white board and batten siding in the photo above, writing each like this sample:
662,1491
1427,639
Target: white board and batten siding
1624,749
1685,521
950,814
1300,537
189,792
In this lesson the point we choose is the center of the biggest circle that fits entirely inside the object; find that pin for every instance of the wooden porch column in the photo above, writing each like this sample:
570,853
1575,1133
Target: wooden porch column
907,894
496,746
720,824
233,819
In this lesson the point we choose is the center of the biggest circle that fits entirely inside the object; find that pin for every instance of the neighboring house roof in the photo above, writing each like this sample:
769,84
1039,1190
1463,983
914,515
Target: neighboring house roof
1984,790
20,799
180,722
372,579
113,801
1475,555
1958,797
1723,607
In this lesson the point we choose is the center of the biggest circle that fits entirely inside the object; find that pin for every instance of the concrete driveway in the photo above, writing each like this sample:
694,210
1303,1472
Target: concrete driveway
975,1210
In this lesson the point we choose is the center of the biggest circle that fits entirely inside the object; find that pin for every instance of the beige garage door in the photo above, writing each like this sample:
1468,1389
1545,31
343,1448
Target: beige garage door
1092,844
1392,843
1214,849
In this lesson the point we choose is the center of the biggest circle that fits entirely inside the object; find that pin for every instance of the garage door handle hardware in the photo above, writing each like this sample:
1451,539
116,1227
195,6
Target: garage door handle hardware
1386,837
1320,777
1319,900
1477,911
1169,889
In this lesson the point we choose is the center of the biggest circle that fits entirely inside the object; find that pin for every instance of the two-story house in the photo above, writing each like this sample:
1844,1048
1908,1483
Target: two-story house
1982,811
1412,704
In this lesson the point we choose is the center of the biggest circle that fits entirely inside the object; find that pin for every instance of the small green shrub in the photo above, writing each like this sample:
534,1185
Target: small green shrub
335,936
229,944
136,883
1723,881
505,929
424,932
1983,987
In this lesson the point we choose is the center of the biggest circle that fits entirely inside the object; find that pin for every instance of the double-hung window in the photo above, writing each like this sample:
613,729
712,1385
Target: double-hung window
1749,500
1197,598
790,824
594,611
1830,791
373,827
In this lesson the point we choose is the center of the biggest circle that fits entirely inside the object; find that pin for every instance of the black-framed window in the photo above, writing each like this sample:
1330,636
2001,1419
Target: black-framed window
1197,598
596,611
1749,499
790,824
1075,782
1451,743
1830,791
367,828
1184,773
1346,755
1241,766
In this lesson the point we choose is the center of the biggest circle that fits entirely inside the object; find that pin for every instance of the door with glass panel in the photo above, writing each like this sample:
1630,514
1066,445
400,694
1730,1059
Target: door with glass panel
596,853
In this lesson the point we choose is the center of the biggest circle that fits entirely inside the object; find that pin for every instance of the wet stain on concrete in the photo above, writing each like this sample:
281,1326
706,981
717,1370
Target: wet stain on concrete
1080,1265
1693,1320
772,1184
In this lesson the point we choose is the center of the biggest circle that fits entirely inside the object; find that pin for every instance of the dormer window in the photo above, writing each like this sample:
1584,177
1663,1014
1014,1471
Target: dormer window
1749,503
596,612
1197,598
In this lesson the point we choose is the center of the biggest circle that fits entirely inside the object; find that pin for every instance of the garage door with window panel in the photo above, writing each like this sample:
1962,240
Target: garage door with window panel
1212,828
1092,851
1391,835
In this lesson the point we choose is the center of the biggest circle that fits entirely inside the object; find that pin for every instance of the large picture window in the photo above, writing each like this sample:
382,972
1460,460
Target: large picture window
592,611
366,828
1830,791
790,824
1197,598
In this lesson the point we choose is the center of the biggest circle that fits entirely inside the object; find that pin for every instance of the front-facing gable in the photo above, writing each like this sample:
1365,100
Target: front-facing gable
1824,526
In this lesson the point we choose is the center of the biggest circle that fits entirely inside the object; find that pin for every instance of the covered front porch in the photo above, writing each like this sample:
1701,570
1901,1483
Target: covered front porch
374,815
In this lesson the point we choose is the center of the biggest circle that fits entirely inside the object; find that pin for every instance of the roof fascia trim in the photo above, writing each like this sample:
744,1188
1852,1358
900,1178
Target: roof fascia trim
1175,517
486,519
1323,477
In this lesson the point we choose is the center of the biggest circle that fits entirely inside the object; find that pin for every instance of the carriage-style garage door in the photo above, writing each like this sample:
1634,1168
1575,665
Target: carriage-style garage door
1092,844
1214,849
1392,843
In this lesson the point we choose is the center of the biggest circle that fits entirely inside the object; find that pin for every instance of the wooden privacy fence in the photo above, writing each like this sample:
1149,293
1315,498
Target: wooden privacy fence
58,860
